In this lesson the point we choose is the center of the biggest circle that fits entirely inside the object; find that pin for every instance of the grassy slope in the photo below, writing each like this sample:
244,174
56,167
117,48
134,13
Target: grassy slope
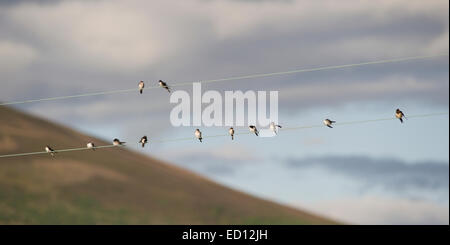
113,186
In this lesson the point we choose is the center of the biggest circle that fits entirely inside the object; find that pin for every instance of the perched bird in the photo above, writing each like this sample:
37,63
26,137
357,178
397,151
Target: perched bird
141,86
48,149
198,135
231,131
90,145
164,85
328,123
274,127
253,129
118,142
399,114
143,141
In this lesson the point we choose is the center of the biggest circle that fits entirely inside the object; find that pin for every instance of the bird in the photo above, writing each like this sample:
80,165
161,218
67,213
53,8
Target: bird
141,86
90,145
399,114
328,123
253,129
143,141
164,85
274,127
231,131
198,135
118,142
50,150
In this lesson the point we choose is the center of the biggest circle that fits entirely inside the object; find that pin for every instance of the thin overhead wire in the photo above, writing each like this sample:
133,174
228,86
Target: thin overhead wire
323,68
230,78
57,151
367,121
227,135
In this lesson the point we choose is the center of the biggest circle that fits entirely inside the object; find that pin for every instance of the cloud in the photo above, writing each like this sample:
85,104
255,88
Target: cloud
393,175
342,92
439,44
17,2
70,47
138,34
98,34
223,160
15,56
375,210
313,141
228,152
237,18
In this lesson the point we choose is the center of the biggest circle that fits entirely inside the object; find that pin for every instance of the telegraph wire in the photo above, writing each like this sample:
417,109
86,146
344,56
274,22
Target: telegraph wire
227,135
260,75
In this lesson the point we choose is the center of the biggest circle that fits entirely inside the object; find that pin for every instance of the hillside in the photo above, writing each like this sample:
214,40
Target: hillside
113,185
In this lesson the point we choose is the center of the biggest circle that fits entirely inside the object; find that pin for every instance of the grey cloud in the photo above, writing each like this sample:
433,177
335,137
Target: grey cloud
16,2
83,46
224,160
391,174
208,164
387,88
259,47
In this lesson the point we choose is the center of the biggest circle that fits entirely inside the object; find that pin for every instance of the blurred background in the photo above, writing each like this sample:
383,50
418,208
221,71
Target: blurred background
375,173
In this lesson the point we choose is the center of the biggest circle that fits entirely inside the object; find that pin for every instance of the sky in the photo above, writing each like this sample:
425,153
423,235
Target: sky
382,172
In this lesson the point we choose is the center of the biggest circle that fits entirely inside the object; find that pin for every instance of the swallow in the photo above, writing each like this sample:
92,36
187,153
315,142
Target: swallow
399,114
90,145
328,123
118,142
143,141
253,129
48,149
274,127
141,86
164,85
231,131
198,135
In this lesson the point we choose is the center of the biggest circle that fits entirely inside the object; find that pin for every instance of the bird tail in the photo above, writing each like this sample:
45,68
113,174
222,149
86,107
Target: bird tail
143,144
168,89
329,126
200,139
279,126
256,132
140,91
333,121
232,137
401,120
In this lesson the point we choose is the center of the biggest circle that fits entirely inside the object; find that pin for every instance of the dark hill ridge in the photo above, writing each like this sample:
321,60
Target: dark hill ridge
113,185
